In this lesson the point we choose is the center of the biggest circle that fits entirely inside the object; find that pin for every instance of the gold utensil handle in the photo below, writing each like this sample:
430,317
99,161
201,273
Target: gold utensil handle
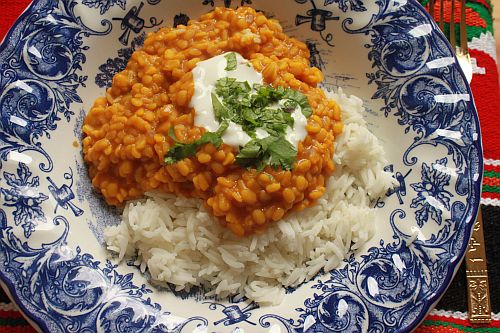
477,276
478,290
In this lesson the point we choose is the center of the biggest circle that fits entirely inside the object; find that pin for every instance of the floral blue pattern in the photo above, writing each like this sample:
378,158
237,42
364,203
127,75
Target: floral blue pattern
344,5
432,197
25,197
104,5
39,76
376,293
64,287
398,56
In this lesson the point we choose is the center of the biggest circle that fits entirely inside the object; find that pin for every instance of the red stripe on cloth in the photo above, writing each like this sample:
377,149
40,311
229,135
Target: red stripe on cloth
488,105
472,19
491,181
494,323
491,167
12,321
491,195
433,329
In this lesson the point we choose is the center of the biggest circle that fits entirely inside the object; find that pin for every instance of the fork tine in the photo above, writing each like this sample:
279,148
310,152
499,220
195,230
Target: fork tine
452,26
463,29
441,15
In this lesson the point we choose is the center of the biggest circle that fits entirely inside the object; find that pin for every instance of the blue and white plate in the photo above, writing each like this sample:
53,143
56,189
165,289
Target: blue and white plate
61,54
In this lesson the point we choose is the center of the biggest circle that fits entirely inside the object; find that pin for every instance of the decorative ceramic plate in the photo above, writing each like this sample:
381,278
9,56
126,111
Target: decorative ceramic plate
61,54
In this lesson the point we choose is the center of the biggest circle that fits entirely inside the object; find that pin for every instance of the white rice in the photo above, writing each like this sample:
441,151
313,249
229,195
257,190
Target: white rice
180,243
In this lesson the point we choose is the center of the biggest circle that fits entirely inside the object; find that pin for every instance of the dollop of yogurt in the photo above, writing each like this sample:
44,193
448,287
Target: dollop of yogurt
205,75
298,132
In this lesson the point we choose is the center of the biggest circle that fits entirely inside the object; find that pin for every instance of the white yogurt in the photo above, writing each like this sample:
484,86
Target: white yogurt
205,75
261,134
298,132
235,136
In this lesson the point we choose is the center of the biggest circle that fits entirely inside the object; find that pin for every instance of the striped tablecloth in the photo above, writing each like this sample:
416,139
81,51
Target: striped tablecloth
450,315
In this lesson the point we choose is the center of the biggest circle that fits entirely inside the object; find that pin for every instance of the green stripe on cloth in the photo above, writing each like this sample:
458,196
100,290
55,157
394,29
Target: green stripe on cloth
436,323
492,174
484,13
488,188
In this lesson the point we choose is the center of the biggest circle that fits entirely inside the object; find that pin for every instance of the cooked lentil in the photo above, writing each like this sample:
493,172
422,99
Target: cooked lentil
126,132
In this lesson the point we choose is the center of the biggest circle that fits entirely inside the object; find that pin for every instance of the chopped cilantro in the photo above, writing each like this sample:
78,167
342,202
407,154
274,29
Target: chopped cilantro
275,121
257,106
274,151
231,61
182,150
289,105
229,88
251,107
300,99
220,111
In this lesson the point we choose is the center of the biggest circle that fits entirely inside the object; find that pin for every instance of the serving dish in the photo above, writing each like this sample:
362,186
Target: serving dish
60,55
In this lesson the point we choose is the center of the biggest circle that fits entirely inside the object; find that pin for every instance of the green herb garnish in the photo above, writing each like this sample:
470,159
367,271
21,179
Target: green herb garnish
231,61
264,107
274,151
257,107
220,111
300,99
182,150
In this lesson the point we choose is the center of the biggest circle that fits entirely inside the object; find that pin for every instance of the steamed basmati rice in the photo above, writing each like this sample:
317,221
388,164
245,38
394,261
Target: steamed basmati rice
180,243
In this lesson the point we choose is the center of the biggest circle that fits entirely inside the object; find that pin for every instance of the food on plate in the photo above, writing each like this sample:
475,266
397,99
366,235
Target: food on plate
179,242
226,109
238,173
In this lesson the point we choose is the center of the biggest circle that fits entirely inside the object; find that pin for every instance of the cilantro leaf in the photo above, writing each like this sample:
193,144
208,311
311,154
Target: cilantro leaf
252,107
251,116
275,121
221,112
181,150
229,88
171,134
281,153
231,61
251,155
300,99
274,151
266,95
289,105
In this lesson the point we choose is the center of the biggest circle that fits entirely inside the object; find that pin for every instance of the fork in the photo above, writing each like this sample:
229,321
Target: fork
475,257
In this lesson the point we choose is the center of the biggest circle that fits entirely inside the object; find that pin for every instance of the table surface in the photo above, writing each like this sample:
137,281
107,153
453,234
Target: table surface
447,319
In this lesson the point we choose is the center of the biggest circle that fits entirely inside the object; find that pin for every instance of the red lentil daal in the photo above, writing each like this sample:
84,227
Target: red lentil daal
126,133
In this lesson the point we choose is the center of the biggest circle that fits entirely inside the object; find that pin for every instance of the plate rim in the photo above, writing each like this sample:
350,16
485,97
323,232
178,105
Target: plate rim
40,325
477,184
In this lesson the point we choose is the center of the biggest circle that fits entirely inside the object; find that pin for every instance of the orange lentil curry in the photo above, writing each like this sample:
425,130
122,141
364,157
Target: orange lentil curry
126,133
